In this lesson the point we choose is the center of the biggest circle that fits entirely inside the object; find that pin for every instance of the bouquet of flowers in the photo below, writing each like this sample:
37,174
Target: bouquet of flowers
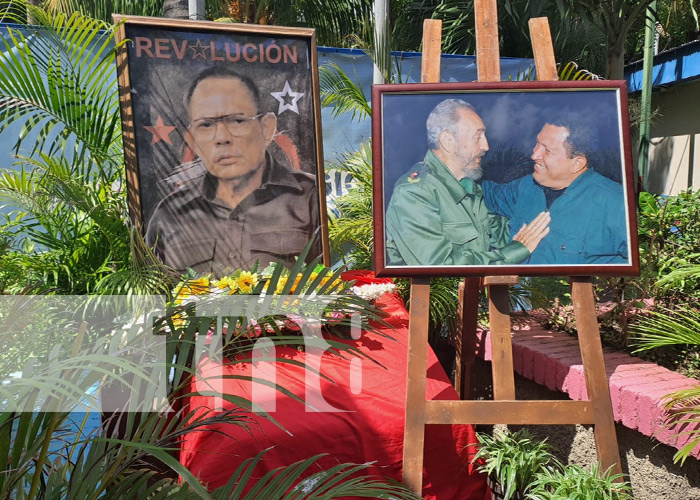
276,302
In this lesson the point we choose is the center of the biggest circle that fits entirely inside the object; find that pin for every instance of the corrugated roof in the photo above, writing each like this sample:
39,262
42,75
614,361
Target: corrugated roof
670,67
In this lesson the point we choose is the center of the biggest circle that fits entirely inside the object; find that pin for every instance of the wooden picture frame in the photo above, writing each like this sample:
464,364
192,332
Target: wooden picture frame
217,178
437,226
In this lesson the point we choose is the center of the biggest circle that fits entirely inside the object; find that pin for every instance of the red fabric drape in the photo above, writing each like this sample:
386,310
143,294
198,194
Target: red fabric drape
366,426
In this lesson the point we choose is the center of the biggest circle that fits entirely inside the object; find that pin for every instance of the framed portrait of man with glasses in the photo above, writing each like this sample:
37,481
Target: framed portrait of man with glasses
222,142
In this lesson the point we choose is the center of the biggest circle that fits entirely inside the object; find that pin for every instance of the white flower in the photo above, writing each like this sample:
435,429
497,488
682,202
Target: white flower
373,291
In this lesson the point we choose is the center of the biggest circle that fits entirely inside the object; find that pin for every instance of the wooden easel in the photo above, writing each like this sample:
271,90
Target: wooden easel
504,409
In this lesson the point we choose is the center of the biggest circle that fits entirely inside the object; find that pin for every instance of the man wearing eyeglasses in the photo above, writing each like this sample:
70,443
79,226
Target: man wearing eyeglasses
245,206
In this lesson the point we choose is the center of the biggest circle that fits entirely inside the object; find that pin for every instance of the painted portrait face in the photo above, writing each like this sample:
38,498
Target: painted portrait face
471,143
553,167
226,130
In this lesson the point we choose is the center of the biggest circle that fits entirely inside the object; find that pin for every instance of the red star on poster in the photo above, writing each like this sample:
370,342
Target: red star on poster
199,50
160,131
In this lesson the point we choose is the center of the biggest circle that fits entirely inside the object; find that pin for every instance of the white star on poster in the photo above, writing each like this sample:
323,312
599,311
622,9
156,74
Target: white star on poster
288,99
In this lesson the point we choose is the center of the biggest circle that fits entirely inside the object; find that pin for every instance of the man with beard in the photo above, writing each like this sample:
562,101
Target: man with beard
437,216
588,224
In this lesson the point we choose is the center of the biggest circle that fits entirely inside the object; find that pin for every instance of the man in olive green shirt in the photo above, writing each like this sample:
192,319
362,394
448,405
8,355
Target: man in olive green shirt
437,216
238,205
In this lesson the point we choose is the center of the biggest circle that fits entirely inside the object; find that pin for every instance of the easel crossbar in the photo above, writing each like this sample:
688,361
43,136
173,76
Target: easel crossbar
510,412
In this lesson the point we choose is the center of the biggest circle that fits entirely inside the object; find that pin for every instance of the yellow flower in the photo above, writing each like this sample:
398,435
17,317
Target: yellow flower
199,286
228,282
280,285
178,320
246,281
335,283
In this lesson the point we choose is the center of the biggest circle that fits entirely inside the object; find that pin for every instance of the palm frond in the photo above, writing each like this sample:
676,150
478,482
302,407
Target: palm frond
58,79
571,72
683,418
673,278
342,93
340,481
667,327
356,163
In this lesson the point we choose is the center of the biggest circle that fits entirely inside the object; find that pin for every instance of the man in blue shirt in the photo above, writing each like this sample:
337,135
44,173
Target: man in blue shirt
588,221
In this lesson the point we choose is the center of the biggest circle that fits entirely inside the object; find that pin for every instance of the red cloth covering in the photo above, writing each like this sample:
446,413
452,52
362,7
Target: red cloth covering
370,429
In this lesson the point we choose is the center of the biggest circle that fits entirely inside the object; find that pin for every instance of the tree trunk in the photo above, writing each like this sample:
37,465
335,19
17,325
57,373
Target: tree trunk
616,57
176,9
30,19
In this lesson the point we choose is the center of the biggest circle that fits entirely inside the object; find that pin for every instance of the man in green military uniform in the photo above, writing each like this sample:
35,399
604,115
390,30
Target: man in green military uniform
437,216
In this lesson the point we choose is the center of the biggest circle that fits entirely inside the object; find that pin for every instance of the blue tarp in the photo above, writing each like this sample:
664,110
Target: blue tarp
340,134
671,66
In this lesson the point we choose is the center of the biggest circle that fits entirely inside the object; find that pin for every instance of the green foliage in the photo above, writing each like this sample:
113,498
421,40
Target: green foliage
340,481
341,92
670,257
678,25
333,21
574,482
669,240
103,9
42,458
513,459
350,226
68,230
676,328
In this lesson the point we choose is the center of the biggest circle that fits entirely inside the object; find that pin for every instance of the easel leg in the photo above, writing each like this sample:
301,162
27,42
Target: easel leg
465,339
594,369
501,343
414,431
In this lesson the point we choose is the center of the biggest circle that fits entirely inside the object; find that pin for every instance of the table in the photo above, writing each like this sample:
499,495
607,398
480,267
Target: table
368,429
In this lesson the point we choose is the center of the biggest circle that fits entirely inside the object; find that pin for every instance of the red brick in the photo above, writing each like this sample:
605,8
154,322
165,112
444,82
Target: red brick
632,404
575,383
528,361
651,412
546,353
636,386
517,358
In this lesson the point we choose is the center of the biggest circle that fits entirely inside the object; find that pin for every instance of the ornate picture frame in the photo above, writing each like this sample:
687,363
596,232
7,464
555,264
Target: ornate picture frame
461,168
222,140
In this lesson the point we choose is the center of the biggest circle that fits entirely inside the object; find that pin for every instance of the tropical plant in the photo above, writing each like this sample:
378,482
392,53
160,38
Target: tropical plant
69,233
669,240
43,457
68,226
333,21
675,328
574,482
615,21
351,221
670,257
103,10
512,460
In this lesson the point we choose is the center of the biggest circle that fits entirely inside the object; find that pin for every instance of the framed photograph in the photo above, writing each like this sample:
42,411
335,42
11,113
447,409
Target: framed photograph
506,178
222,140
